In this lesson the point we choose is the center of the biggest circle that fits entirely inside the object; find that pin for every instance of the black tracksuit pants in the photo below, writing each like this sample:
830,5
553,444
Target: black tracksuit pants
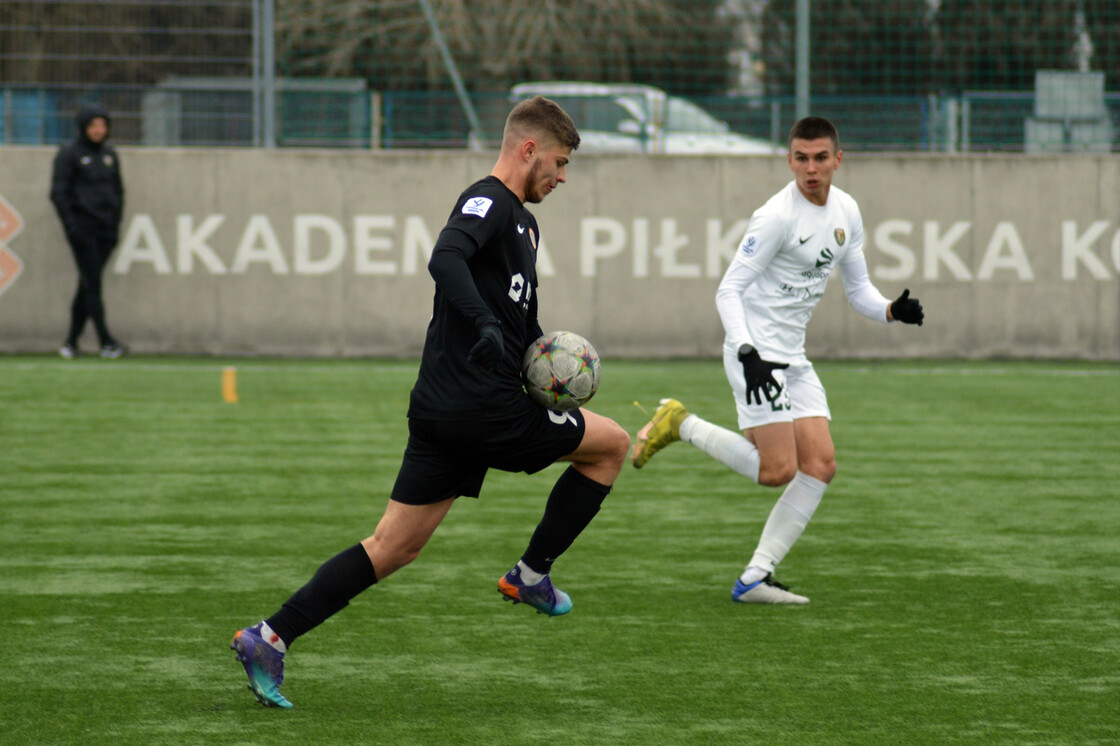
91,244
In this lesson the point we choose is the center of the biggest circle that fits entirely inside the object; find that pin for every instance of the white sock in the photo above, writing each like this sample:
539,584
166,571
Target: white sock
787,520
272,638
729,448
752,575
529,576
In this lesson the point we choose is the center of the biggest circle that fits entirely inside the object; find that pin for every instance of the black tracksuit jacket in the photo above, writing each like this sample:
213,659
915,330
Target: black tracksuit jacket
86,186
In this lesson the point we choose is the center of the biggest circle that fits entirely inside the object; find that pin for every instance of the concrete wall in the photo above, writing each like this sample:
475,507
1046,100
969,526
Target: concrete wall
324,253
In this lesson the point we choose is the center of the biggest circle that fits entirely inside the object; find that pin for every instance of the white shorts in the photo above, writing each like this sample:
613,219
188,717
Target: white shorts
802,394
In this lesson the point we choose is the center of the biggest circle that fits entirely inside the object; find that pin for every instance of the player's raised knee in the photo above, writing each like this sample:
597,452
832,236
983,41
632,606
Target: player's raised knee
605,448
619,443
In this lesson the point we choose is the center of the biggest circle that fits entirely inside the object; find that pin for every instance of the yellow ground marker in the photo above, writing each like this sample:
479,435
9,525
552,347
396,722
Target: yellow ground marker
229,385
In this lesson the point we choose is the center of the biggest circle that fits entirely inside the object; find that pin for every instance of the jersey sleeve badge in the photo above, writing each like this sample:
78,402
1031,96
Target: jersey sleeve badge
477,206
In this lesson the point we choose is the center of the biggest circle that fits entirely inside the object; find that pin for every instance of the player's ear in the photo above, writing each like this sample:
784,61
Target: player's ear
529,148
839,157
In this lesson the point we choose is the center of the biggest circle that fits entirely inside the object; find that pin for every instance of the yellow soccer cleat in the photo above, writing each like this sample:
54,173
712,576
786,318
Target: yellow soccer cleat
663,429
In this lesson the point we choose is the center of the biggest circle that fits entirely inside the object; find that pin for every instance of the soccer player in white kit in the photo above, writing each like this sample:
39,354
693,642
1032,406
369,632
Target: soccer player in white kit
779,273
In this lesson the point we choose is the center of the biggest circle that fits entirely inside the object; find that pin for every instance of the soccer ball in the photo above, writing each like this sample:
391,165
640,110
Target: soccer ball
561,371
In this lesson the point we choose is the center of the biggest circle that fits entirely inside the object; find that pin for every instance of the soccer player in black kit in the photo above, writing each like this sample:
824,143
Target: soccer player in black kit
468,411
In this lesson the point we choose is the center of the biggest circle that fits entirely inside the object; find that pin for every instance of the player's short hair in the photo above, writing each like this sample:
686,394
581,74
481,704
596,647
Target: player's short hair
540,116
814,128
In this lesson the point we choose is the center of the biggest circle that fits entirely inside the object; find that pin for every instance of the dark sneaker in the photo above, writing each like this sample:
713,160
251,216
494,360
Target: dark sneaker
543,597
264,665
113,351
765,591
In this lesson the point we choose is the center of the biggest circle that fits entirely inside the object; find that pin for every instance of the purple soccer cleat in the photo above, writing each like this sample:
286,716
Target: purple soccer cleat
543,596
264,665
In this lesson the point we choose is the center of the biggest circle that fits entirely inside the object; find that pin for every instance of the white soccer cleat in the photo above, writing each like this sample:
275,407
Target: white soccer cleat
765,591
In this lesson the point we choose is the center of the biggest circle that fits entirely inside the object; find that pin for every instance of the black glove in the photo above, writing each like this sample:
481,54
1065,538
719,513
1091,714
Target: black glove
489,349
907,310
760,375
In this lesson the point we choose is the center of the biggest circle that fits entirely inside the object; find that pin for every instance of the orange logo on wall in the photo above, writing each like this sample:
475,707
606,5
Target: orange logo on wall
10,224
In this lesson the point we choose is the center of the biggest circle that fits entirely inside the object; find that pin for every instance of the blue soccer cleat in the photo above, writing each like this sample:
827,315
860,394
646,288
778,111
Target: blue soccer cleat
264,665
543,596
765,591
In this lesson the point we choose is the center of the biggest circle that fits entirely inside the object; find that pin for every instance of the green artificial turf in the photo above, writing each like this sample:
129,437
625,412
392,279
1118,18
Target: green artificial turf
964,566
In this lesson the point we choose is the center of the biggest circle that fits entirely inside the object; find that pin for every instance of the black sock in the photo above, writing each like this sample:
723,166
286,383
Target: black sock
574,501
330,589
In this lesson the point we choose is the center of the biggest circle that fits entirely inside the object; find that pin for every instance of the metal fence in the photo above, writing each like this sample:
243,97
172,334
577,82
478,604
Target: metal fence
56,56
928,75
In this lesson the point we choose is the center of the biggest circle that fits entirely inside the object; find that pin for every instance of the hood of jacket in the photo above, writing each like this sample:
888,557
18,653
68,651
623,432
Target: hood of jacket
86,115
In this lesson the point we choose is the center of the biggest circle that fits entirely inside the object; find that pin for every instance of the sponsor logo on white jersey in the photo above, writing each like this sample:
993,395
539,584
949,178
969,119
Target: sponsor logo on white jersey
477,206
749,245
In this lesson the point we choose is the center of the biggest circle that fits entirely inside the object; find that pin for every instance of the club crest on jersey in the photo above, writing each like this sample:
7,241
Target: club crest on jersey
839,233
477,206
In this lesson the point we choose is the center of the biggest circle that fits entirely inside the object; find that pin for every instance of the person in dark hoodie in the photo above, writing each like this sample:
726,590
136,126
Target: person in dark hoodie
88,193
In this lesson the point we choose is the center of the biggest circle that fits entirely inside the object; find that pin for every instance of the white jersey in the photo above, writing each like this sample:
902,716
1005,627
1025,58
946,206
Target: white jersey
781,269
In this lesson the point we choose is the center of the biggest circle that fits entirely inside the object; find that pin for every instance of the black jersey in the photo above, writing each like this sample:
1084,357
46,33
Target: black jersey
497,237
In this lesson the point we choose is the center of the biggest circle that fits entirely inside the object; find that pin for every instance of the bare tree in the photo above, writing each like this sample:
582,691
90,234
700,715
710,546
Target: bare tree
879,47
999,46
1103,20
496,43
110,43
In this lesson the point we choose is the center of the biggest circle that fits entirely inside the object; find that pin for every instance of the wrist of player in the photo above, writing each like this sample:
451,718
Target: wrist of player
486,321
748,352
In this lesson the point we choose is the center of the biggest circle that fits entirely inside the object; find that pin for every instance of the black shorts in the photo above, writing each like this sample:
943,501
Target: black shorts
448,459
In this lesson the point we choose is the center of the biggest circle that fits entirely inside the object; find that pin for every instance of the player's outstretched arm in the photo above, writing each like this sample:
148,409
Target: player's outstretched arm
906,309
